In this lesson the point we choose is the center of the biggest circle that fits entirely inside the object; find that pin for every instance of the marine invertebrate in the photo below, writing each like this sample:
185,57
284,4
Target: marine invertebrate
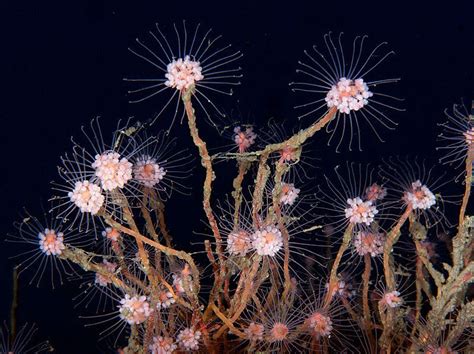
161,166
416,187
46,241
457,136
188,339
339,81
352,198
263,242
134,310
244,139
162,345
369,242
194,62
267,241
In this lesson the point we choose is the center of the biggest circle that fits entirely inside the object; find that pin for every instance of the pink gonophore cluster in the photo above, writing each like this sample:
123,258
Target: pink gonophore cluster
392,299
375,192
134,310
342,288
432,349
164,299
288,154
87,196
254,331
188,339
244,138
239,243
279,332
104,280
267,241
147,171
420,197
369,242
469,135
359,211
183,73
289,193
348,95
162,345
319,324
182,280
51,242
111,234
112,170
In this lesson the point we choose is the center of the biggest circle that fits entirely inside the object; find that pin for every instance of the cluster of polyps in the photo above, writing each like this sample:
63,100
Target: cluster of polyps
469,135
87,196
267,241
319,324
348,95
162,345
279,332
239,243
178,284
369,242
111,234
392,299
147,171
419,196
112,170
288,154
375,192
182,74
360,212
244,139
433,349
342,288
51,242
104,280
254,331
188,339
165,299
182,280
289,193
134,310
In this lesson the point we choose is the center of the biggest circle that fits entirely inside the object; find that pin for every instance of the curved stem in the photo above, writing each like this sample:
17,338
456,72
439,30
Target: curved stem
365,299
392,238
333,279
467,189
207,187
166,250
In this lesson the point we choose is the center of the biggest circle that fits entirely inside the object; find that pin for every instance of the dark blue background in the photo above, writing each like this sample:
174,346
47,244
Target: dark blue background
62,63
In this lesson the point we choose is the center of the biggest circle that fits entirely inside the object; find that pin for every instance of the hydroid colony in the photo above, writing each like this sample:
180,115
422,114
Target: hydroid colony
289,268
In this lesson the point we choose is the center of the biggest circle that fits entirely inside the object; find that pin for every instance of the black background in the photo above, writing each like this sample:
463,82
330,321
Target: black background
62,63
